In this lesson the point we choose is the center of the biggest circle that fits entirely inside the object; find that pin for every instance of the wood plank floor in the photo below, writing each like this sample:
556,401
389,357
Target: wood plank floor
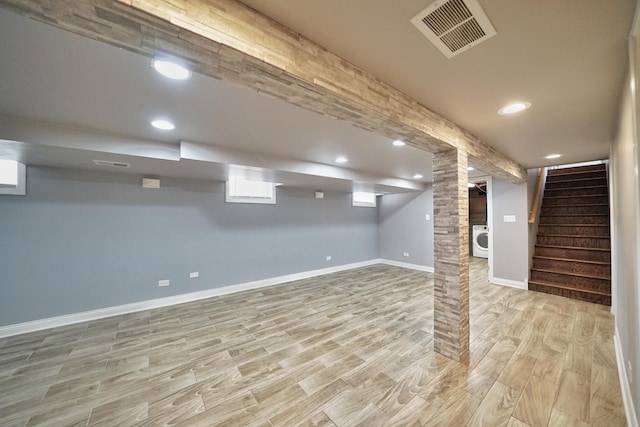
346,349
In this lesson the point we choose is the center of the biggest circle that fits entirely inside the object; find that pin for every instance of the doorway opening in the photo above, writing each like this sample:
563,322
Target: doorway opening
480,218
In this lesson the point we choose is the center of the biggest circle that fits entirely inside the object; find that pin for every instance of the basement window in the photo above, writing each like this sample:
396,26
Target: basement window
13,178
246,191
364,199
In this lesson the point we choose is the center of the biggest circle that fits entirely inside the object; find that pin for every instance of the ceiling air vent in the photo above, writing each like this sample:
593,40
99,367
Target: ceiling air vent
454,26
112,164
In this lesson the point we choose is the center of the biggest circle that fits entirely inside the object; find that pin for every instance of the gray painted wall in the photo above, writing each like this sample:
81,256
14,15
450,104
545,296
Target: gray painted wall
625,222
510,240
403,227
83,240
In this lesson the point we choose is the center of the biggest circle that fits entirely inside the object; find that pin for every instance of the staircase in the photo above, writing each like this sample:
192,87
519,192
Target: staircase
573,250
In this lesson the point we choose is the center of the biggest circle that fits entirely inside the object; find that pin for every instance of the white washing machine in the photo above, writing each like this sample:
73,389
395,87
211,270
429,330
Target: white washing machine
480,241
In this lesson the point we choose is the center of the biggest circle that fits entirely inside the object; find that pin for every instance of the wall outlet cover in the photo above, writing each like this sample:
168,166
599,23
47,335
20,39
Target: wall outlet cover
427,217
328,258
164,283
150,183
194,275
406,254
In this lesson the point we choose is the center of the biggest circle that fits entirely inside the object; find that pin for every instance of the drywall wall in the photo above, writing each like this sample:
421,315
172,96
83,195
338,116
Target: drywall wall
405,229
84,240
625,220
510,239
532,183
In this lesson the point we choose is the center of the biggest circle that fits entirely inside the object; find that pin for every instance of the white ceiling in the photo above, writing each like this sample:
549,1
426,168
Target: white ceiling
568,58
55,81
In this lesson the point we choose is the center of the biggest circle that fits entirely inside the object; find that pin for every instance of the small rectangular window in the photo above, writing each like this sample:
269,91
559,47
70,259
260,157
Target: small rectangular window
364,199
13,178
246,191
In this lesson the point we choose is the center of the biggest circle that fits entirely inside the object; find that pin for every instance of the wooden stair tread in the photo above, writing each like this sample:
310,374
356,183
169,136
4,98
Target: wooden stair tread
577,195
574,225
573,248
579,203
569,273
573,236
571,260
576,176
573,205
575,172
579,179
569,288
594,214
574,188
597,165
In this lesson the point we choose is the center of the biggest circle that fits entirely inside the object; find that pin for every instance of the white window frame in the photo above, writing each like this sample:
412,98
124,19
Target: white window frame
20,189
248,198
359,202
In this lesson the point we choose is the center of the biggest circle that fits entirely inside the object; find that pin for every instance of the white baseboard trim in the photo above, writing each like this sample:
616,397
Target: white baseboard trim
627,399
68,319
508,282
407,265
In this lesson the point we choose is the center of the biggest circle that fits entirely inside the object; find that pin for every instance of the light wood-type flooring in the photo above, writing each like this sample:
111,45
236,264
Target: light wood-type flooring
347,349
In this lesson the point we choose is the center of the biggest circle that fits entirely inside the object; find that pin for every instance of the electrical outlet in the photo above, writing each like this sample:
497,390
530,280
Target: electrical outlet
328,258
427,217
163,283
194,275
406,254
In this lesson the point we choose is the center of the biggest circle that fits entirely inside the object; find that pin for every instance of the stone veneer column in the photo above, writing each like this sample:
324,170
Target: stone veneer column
451,254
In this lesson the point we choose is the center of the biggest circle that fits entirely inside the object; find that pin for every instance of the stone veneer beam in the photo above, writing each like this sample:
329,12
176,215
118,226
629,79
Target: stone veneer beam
227,40
451,254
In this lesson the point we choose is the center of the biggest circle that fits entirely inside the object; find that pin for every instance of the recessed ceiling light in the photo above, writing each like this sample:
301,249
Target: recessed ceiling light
553,156
398,143
342,159
171,70
417,176
470,168
163,124
516,107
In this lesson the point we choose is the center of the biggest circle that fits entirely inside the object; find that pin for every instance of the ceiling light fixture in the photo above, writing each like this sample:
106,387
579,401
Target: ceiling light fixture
417,176
513,108
163,124
342,159
398,143
171,69
553,156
